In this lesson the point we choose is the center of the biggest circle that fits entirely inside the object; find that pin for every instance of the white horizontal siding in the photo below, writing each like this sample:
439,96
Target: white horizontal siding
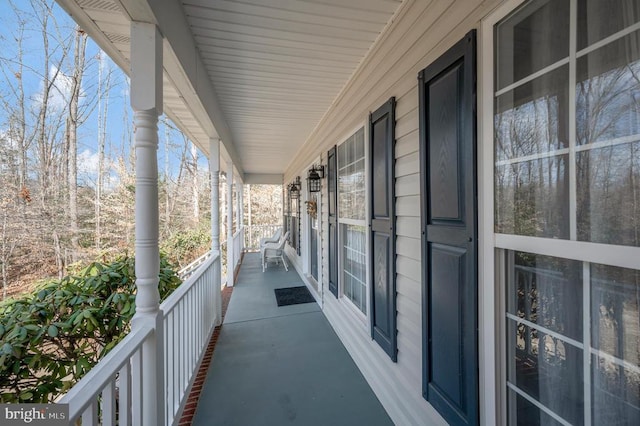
406,144
388,380
406,185
409,268
409,247
293,259
422,31
407,124
409,205
407,226
409,164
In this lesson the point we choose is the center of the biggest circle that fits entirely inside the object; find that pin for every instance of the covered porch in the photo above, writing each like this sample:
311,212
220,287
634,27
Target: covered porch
248,83
281,365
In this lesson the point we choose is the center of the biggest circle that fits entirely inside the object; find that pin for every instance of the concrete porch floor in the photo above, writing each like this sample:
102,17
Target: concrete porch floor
281,365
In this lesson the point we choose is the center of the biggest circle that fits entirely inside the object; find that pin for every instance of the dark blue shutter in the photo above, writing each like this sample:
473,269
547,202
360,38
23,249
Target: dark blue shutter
449,229
332,183
382,228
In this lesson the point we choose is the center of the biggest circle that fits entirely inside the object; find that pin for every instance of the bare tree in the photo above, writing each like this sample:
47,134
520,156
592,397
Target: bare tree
103,108
49,204
72,132
194,183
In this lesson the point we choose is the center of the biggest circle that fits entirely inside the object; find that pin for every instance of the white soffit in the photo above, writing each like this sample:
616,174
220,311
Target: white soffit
275,65
109,25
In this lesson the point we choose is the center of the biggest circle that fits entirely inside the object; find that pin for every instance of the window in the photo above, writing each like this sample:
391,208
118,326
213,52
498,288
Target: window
286,209
352,219
291,219
567,167
567,152
294,224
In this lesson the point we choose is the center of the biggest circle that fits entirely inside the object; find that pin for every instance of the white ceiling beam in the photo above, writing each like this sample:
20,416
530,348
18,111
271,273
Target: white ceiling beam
263,179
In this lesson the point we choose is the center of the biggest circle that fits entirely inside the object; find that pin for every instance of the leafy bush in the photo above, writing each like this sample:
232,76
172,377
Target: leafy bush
187,245
52,337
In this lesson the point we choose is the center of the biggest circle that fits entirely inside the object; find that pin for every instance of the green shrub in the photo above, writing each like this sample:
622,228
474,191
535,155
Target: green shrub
50,338
185,246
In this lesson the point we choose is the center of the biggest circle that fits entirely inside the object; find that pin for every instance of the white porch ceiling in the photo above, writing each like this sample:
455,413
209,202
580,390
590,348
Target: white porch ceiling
275,66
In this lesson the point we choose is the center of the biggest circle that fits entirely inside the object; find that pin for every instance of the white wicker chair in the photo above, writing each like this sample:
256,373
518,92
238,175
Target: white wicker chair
274,239
274,251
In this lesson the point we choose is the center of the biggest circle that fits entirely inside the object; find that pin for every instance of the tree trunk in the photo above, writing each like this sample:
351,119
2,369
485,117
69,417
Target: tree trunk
194,175
167,189
72,136
60,264
43,172
103,108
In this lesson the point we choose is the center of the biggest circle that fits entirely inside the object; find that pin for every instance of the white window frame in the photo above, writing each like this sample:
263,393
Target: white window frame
492,270
361,317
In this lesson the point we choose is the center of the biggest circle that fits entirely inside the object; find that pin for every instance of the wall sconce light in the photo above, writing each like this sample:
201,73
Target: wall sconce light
314,178
294,189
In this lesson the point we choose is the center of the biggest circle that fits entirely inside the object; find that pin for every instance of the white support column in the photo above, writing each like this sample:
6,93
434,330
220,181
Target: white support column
146,101
241,192
240,188
223,212
241,202
249,204
214,170
230,260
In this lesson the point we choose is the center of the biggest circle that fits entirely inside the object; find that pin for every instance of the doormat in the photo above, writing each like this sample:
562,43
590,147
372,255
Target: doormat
293,296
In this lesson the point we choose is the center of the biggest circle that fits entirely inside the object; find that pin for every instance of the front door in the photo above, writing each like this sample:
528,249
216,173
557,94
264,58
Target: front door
449,235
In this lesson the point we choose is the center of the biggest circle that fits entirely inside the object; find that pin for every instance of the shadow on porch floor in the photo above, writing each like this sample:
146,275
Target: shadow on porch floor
281,365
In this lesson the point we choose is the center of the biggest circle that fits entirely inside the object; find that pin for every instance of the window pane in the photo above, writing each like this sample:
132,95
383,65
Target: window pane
351,178
544,361
608,115
609,177
531,187
608,92
615,333
354,264
524,413
549,370
532,118
359,136
615,317
598,19
546,291
342,155
534,37
615,393
532,198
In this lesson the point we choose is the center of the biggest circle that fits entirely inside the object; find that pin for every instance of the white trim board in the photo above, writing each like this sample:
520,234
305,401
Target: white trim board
606,254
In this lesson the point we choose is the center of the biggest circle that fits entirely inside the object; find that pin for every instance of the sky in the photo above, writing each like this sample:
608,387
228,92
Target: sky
116,100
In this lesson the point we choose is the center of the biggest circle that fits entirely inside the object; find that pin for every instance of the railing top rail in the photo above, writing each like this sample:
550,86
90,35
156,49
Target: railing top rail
238,231
80,395
175,297
195,263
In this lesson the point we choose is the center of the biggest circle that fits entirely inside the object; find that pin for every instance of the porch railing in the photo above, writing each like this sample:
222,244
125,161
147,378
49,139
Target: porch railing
186,272
234,255
254,233
112,392
238,246
189,319
107,392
